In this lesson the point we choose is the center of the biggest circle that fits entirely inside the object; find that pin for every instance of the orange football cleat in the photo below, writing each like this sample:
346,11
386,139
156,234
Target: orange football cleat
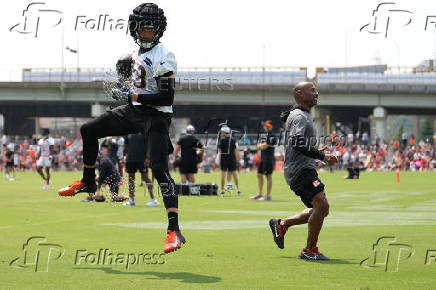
173,241
77,187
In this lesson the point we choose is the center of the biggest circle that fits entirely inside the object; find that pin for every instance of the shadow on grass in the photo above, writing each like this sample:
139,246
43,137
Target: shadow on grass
331,261
184,277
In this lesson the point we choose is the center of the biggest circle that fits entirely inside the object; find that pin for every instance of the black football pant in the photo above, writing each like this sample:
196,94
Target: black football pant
129,119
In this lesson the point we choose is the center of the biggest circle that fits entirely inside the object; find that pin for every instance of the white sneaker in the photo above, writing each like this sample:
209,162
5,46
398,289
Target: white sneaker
152,202
229,186
131,202
46,187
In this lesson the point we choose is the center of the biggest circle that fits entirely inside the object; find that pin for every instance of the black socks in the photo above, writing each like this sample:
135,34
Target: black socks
173,222
88,175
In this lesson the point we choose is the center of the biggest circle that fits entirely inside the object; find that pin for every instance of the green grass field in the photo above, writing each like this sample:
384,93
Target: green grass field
229,243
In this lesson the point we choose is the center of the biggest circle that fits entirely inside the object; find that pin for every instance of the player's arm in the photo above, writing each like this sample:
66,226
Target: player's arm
38,152
176,151
300,142
262,146
126,145
237,155
165,97
52,152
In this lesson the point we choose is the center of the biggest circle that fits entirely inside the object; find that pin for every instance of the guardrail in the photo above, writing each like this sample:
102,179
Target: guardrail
234,75
390,75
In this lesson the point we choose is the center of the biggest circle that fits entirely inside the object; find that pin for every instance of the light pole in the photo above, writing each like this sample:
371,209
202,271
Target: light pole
76,51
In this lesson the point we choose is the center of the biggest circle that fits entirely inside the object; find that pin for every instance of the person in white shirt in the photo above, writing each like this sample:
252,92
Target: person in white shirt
44,157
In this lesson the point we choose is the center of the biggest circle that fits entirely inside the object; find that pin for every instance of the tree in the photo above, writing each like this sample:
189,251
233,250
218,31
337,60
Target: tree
427,128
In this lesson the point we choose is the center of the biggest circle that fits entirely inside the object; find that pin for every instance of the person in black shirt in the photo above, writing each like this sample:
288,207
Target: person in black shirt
107,175
9,163
188,145
135,150
229,159
112,145
266,165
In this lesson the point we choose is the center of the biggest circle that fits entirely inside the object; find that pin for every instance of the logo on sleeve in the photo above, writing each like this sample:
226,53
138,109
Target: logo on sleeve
316,183
148,61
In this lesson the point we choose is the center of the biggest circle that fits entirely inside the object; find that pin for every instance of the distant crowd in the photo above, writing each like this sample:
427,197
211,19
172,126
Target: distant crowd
404,154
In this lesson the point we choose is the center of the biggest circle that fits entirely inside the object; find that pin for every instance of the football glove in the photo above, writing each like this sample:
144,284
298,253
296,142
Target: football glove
120,94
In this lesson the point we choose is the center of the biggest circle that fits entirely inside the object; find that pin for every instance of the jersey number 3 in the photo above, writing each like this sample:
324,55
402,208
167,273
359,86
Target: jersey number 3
140,75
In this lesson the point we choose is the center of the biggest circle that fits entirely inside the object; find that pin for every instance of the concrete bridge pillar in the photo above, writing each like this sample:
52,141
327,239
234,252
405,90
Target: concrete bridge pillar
321,119
97,110
380,115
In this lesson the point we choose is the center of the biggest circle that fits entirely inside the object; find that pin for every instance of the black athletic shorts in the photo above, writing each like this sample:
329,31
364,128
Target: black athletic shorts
265,167
188,166
306,185
228,166
9,164
133,167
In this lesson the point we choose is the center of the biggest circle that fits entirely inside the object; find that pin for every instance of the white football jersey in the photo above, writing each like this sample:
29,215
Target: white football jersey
148,66
44,146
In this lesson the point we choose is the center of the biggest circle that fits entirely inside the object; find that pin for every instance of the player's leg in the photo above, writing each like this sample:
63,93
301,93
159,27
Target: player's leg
191,178
297,219
13,171
319,211
47,172
279,227
260,183
223,178
114,183
113,123
268,185
159,148
260,186
47,180
356,173
40,172
235,177
131,171
148,182
183,178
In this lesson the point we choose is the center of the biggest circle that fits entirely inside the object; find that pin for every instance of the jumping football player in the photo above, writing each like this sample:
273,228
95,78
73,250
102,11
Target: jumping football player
44,157
152,71
300,172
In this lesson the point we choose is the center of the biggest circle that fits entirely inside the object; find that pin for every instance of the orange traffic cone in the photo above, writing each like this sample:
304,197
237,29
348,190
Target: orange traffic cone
398,175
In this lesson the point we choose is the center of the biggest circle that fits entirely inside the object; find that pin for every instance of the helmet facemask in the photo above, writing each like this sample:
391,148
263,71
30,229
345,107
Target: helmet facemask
149,27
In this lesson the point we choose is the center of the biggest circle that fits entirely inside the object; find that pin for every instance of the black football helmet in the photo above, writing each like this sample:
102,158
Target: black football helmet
147,15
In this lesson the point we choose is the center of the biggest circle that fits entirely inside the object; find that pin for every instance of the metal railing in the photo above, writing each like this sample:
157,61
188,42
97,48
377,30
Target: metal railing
391,75
235,75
